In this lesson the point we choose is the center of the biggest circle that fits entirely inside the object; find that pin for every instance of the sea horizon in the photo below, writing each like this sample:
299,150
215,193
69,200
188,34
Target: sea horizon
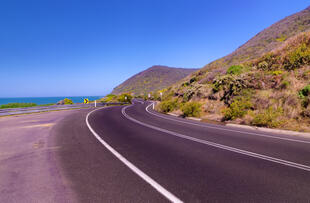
45,100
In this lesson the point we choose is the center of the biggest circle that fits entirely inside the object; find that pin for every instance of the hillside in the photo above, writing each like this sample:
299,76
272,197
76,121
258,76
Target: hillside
266,40
152,79
265,82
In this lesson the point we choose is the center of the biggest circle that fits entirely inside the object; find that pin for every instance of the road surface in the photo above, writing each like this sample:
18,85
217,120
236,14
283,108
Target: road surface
40,109
133,154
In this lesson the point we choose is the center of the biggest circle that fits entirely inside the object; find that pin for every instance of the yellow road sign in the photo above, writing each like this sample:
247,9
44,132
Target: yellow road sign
86,101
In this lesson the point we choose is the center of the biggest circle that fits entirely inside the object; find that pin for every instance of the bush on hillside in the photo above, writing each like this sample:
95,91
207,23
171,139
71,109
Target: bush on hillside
125,97
168,105
235,70
297,58
192,109
304,92
237,109
285,84
268,118
269,61
230,84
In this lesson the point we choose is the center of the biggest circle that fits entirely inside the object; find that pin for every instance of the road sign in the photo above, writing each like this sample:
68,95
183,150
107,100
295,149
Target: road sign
86,101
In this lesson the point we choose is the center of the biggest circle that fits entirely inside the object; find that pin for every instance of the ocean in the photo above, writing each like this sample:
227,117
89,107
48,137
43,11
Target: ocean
45,100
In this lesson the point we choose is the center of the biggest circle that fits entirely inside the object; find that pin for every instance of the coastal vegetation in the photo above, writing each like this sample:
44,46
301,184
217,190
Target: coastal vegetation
21,105
111,98
67,101
17,105
272,90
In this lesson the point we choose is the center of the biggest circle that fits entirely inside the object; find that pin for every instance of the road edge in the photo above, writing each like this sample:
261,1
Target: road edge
131,166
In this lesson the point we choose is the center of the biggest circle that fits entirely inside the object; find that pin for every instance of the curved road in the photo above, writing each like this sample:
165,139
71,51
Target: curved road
133,154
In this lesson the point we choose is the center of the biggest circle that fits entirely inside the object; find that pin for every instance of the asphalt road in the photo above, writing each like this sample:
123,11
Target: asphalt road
179,160
133,154
40,109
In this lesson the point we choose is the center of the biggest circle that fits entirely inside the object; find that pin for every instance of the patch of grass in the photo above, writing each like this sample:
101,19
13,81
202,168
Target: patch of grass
277,72
17,105
268,118
235,70
192,109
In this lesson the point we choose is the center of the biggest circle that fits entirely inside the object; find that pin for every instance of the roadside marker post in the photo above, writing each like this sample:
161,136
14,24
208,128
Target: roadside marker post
95,103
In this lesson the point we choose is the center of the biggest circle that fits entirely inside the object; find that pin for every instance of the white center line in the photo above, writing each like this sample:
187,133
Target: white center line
232,149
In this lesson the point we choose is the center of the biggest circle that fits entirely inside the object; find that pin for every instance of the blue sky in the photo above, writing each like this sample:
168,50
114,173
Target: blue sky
72,48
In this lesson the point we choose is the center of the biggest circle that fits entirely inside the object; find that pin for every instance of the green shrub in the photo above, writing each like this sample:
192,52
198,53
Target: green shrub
268,118
263,65
193,79
17,105
304,92
269,61
235,70
68,101
231,85
125,97
285,84
237,109
192,109
297,58
188,95
168,105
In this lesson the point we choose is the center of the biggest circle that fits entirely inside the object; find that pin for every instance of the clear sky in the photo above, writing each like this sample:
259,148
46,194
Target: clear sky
73,48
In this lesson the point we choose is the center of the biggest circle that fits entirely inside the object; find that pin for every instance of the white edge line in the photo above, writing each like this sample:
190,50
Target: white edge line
232,149
132,167
230,130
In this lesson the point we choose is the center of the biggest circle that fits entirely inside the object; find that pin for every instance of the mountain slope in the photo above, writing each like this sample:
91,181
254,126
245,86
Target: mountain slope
265,82
153,79
266,40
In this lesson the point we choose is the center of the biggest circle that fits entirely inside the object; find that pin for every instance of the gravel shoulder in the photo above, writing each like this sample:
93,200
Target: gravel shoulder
28,168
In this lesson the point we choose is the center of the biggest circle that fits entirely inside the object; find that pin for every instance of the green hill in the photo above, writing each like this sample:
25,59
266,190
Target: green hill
265,82
152,79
